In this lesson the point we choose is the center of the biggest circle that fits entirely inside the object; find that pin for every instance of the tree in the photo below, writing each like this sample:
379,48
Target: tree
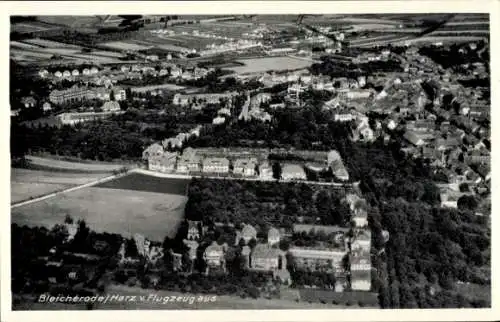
467,203
112,96
277,171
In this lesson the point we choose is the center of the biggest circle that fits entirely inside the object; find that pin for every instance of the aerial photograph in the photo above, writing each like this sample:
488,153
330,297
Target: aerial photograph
250,162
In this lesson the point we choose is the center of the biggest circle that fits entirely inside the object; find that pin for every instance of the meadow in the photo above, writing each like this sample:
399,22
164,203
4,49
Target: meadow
126,212
259,65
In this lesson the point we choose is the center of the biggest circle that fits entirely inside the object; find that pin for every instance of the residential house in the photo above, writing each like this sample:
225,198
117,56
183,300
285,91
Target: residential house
164,163
319,259
110,106
339,170
46,107
361,280
267,258
265,171
58,74
28,101
193,230
214,257
248,232
193,250
215,165
273,236
154,149
413,138
361,240
449,199
189,162
43,73
293,172
245,167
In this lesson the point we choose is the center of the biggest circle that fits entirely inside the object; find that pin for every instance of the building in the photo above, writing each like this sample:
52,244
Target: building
361,280
245,167
193,230
293,172
267,258
248,232
111,106
413,138
273,236
215,165
153,150
214,257
46,107
189,162
319,259
165,162
361,240
28,101
70,95
265,171
74,118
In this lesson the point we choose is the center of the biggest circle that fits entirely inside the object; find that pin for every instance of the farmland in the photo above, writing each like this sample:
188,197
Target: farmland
267,64
124,45
155,215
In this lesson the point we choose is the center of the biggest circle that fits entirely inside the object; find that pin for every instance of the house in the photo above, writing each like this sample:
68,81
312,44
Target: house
120,94
193,250
339,170
214,257
110,106
360,217
265,171
189,162
46,107
248,232
245,167
449,199
193,230
316,259
94,70
267,258
413,138
154,149
163,163
273,236
293,172
66,74
75,73
361,280
215,165
28,101
58,74
361,240
218,120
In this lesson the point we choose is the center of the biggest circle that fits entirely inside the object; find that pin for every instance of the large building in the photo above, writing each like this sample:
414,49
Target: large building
163,163
317,259
245,167
267,258
215,165
70,95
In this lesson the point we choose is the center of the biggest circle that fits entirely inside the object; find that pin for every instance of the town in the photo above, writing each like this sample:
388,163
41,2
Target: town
306,160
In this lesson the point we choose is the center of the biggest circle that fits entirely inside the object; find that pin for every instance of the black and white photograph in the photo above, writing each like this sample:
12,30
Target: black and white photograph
250,161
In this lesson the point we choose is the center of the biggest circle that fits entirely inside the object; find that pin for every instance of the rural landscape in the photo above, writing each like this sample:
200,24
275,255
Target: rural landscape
250,161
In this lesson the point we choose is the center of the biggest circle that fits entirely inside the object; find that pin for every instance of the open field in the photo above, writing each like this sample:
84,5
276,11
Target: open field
49,43
26,184
170,87
143,182
125,45
155,215
267,64
31,26
50,163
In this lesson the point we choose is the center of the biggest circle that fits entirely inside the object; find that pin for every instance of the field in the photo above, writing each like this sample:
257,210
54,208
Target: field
61,165
170,87
122,45
26,184
267,64
155,215
146,183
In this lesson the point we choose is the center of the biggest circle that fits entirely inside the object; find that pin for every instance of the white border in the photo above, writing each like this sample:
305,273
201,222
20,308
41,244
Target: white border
233,7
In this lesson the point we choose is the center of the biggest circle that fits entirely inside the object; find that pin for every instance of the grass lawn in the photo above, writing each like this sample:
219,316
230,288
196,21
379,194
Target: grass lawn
155,215
142,182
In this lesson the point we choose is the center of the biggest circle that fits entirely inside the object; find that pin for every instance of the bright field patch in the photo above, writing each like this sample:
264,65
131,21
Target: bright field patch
126,212
259,65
